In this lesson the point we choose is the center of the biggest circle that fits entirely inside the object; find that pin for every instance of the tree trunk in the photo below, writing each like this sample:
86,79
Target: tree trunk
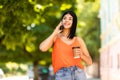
35,69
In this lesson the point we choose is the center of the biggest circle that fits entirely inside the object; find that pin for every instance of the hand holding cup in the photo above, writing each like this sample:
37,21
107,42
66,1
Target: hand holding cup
76,51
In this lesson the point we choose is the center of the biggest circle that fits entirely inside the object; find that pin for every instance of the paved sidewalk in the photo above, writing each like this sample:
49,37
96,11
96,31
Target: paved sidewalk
93,79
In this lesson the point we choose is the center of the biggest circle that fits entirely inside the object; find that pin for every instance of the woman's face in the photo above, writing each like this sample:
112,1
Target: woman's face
67,21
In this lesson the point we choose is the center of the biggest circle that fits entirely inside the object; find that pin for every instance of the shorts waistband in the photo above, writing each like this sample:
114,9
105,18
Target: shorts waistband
72,68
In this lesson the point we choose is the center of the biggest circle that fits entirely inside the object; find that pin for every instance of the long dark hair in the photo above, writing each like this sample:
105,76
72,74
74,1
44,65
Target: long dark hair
74,24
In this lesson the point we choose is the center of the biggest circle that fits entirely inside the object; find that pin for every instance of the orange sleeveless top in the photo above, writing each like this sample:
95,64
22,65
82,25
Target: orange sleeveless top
62,55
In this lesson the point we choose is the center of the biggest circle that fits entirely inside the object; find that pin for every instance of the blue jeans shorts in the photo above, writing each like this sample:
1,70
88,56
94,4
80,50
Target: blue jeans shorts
70,73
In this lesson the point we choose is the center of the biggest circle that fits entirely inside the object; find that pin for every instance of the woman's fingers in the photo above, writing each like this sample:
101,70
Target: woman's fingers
57,29
79,51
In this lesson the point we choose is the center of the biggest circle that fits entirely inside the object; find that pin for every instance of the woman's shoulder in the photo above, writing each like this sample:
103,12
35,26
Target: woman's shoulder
77,37
80,39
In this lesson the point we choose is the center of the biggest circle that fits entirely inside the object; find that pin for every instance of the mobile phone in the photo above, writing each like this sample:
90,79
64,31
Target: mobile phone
61,27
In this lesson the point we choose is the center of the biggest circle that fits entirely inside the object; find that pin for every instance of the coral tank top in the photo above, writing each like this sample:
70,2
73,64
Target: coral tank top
62,55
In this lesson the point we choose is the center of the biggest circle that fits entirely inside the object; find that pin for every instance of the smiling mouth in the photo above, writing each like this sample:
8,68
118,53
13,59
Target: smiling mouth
66,25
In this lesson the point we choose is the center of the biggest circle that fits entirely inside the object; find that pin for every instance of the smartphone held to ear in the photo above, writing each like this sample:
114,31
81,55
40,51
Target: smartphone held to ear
61,27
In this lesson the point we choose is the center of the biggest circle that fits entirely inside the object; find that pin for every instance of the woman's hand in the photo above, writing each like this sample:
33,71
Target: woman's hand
79,52
57,29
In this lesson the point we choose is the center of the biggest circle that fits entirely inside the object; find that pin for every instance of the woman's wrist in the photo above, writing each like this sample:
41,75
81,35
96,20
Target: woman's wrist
54,33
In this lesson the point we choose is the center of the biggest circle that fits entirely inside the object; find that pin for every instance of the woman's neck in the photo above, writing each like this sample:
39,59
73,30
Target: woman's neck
65,33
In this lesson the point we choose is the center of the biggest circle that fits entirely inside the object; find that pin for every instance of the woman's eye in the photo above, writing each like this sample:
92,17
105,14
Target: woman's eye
64,18
70,19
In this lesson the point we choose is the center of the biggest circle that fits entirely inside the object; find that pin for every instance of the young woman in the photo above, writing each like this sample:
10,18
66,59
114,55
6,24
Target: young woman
66,67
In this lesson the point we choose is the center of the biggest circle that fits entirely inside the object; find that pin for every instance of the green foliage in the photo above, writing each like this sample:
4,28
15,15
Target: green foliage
24,24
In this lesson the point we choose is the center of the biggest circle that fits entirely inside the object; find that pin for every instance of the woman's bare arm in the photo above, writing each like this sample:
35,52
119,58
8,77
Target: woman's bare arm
85,54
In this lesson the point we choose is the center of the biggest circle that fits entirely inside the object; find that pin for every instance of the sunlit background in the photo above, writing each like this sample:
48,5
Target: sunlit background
25,23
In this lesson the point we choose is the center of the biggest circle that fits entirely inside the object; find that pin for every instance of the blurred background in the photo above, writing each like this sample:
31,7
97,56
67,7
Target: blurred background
25,23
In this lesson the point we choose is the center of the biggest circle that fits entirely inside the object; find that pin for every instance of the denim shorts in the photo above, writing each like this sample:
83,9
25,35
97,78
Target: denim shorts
70,73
